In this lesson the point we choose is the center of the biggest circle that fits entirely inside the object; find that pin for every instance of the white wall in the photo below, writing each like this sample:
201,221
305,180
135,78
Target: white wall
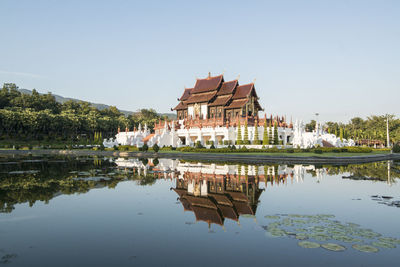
203,110
191,111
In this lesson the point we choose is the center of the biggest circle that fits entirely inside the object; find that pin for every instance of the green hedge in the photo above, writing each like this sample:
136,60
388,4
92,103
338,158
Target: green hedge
319,150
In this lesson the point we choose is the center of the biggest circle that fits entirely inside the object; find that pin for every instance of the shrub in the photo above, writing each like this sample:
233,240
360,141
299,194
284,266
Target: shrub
156,148
318,151
239,142
396,148
227,142
233,147
156,161
198,145
212,146
145,147
257,142
290,150
220,142
246,142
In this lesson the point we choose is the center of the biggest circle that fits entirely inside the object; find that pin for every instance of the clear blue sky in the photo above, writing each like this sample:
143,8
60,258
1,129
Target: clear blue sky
338,58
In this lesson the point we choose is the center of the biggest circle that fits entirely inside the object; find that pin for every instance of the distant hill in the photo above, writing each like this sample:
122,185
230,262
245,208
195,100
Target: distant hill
99,106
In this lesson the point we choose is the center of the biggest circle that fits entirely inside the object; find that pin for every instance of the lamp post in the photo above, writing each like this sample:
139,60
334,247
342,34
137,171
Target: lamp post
316,123
387,131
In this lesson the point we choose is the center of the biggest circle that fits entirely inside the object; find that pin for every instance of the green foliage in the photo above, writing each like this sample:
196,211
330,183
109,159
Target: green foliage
128,148
396,148
341,134
144,148
239,132
256,137
198,145
265,134
276,137
276,150
311,126
40,117
227,142
212,146
246,133
156,148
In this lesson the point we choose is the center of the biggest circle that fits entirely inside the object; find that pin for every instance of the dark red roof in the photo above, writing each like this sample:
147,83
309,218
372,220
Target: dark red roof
238,196
198,98
180,106
243,91
207,215
208,84
221,199
186,94
237,103
220,100
228,212
243,208
228,87
200,202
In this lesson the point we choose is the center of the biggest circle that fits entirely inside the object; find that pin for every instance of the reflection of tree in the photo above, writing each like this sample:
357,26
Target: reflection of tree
369,171
31,180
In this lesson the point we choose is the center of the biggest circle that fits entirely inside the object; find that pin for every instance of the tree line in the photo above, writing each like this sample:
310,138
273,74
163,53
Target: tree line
41,117
371,128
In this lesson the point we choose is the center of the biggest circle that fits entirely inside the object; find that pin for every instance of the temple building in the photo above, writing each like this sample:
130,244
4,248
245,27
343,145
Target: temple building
212,97
214,112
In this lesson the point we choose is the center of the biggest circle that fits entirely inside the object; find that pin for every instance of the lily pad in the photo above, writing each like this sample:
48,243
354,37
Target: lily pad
383,244
320,237
333,247
365,248
301,236
308,244
344,238
272,217
390,240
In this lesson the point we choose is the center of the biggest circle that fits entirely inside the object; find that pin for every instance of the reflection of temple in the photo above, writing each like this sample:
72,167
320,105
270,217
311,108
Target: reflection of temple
214,198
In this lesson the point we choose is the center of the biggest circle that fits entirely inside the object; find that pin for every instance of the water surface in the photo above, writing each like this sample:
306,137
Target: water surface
64,211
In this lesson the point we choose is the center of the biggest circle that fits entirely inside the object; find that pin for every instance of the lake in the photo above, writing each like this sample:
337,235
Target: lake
95,211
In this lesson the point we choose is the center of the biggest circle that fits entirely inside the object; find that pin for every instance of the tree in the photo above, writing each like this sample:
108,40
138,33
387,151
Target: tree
246,133
156,148
266,134
311,126
239,133
276,138
341,134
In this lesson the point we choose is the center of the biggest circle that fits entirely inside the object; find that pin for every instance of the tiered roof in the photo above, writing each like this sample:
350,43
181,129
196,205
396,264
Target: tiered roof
216,92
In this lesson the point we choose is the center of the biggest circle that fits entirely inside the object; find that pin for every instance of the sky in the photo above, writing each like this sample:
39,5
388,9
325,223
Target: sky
340,59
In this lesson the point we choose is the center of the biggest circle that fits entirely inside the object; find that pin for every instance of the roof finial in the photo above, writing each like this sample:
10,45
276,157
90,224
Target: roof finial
254,80
223,72
238,77
209,74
